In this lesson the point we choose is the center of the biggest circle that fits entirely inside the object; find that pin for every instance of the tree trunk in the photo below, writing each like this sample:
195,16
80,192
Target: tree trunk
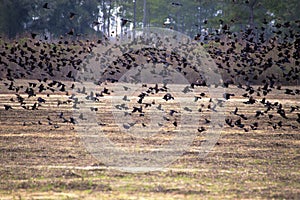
104,17
108,19
251,17
134,14
145,14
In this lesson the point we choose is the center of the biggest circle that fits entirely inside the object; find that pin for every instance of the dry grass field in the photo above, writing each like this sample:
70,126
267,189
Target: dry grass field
46,158
152,113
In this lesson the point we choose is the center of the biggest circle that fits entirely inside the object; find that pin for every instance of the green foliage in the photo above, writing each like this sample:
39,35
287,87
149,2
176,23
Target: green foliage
57,18
13,15
188,16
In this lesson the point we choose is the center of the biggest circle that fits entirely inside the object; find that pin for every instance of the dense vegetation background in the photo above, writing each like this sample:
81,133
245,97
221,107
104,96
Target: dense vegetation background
59,17
251,41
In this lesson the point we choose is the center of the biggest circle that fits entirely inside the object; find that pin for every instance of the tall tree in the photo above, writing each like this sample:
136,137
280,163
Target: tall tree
13,16
145,13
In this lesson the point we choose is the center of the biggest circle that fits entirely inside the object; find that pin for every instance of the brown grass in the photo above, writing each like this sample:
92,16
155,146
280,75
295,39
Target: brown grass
44,162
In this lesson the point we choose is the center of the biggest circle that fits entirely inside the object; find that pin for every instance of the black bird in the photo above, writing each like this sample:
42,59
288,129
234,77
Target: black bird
293,108
250,101
279,124
128,125
7,107
105,91
197,98
147,105
101,124
61,115
136,109
207,121
46,6
33,35
93,109
227,95
81,117
165,118
243,116
201,129
258,113
124,22
41,100
126,88
159,107
175,123
298,120
229,122
172,112
289,91
125,98
235,111
187,109
281,112
72,15
95,23
71,32
35,106
270,116
72,120
202,94
168,97
69,75
238,123
176,4
254,126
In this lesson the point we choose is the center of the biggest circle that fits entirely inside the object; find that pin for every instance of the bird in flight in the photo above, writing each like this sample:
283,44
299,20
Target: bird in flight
176,4
72,15
46,6
124,22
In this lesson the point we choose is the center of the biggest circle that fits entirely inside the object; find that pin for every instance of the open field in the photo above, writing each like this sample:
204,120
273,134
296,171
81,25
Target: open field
47,159
199,100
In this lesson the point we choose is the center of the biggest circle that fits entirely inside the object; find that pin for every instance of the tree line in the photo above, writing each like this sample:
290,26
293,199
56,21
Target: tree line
109,17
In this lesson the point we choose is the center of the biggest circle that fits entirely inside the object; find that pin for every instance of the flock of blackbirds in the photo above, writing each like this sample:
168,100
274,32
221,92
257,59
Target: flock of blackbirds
257,65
